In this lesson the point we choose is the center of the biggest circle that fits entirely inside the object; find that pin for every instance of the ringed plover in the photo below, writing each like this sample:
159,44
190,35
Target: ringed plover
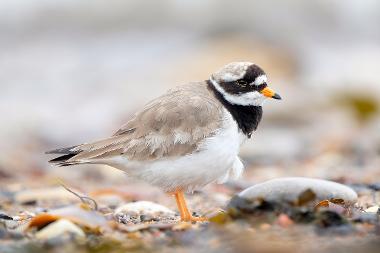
188,137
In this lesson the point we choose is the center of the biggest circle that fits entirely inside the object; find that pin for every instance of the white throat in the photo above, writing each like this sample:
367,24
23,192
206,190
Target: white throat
253,98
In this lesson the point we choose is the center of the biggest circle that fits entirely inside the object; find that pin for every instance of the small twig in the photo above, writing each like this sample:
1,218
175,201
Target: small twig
84,199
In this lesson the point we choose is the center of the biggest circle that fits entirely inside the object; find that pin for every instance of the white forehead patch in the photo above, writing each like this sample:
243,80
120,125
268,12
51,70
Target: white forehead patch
260,80
232,72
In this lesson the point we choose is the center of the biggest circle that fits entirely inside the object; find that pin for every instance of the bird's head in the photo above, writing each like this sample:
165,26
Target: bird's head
243,83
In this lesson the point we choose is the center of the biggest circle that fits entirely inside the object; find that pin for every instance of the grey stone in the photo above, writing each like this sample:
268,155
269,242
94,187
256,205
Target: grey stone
290,188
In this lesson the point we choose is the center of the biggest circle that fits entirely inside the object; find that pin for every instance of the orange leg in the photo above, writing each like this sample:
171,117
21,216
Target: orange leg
183,210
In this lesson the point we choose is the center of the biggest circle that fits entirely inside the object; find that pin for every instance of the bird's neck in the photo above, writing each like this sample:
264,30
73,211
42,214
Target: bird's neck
247,117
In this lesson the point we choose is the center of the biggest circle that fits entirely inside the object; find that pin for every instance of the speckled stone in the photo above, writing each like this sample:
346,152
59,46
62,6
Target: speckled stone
141,211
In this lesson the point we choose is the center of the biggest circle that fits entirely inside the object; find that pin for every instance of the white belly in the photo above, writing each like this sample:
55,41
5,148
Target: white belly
216,160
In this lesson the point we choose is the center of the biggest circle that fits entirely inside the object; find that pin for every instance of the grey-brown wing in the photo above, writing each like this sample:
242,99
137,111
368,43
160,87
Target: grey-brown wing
171,125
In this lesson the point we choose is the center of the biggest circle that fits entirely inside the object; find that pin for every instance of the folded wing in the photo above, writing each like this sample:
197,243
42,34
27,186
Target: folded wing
169,126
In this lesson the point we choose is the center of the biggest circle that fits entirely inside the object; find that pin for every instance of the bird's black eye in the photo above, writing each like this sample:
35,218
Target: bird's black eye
242,83
261,86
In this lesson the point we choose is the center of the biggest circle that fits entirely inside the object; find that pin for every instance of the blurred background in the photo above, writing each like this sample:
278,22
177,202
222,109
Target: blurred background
74,71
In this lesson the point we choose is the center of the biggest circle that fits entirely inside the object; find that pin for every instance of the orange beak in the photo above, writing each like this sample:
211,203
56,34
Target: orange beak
268,92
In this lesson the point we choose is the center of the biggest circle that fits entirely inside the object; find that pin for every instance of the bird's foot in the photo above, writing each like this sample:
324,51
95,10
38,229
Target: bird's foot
184,211
194,219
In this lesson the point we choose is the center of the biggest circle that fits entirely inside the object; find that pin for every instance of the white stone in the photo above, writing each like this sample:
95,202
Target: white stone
289,188
143,208
59,228
372,209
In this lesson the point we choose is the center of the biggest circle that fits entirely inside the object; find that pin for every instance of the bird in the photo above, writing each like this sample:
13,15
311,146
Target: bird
186,138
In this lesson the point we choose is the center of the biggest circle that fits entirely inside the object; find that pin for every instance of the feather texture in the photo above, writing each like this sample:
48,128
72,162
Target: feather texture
172,125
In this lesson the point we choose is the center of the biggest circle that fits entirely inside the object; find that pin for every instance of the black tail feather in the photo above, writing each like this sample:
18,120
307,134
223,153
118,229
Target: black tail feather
61,159
65,155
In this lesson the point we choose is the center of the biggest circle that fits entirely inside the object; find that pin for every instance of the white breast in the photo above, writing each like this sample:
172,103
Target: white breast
215,160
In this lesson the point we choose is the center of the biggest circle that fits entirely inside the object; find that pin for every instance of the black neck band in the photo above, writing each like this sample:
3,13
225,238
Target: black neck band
247,117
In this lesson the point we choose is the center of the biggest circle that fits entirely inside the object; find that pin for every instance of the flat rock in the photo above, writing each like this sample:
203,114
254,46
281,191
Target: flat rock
60,228
142,211
290,188
80,216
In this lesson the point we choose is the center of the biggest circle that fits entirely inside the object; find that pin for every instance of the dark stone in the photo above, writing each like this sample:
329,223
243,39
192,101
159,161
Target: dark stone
375,186
301,215
242,205
326,218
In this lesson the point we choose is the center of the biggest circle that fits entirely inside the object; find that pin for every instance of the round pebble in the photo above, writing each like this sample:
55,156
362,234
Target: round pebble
289,189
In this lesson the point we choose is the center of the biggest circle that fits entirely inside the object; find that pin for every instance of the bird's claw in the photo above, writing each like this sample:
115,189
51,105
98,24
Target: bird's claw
194,219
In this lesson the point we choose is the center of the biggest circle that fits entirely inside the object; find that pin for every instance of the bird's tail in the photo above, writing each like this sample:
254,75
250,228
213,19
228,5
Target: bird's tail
95,153
65,156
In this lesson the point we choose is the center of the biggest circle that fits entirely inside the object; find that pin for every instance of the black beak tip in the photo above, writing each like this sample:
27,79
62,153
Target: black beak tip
277,96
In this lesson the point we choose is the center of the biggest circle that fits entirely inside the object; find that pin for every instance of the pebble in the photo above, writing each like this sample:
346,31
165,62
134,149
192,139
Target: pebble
80,216
89,219
59,228
375,186
373,209
265,226
142,211
45,194
284,221
290,188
